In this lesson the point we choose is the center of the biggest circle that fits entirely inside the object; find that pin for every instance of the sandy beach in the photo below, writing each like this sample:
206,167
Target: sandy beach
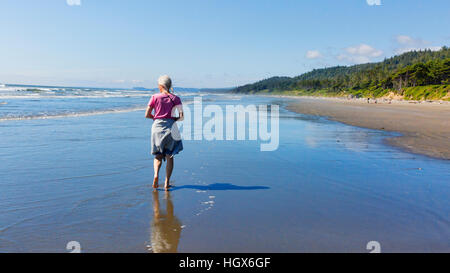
425,127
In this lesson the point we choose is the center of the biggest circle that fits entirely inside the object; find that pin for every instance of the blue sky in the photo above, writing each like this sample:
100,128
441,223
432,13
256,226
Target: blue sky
205,43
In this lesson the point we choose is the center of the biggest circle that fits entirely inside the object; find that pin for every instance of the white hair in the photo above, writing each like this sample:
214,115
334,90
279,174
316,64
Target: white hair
166,82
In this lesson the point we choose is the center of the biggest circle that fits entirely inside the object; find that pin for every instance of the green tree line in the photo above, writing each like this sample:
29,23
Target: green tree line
411,69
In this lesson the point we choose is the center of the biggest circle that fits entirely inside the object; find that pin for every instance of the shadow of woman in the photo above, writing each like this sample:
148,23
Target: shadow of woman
220,187
166,228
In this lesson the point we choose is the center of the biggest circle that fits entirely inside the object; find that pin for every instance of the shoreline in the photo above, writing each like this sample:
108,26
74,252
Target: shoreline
425,126
363,100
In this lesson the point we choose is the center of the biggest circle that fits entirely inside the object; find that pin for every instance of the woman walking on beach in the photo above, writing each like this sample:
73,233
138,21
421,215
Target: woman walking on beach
166,141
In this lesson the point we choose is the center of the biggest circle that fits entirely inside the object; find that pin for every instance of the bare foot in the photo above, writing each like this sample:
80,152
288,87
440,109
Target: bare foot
168,186
155,183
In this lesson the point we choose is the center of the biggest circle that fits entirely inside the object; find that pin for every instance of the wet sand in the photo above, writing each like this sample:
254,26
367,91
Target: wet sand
425,127
88,179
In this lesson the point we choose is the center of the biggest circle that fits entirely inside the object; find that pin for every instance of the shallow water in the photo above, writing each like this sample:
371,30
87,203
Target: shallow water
328,188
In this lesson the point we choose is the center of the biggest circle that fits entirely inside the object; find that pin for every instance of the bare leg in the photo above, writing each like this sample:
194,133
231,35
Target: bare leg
169,169
157,166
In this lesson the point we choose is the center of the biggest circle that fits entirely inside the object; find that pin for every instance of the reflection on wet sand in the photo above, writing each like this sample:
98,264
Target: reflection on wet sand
166,228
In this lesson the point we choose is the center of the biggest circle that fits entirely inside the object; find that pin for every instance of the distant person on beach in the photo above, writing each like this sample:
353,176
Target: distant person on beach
166,140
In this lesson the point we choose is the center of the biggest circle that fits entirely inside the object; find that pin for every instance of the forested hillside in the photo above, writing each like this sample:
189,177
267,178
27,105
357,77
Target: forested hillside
412,75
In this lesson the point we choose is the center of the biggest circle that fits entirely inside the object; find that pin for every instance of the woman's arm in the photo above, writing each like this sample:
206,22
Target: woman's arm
180,112
148,113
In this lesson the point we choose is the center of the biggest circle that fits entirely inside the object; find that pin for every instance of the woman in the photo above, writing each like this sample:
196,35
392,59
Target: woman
166,142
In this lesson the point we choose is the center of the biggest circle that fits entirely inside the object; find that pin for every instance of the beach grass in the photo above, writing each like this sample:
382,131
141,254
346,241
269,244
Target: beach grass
418,93
429,92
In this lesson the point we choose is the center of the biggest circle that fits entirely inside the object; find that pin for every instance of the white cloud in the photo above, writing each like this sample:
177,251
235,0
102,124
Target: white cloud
360,54
364,50
407,43
73,2
374,2
408,49
313,54
405,40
